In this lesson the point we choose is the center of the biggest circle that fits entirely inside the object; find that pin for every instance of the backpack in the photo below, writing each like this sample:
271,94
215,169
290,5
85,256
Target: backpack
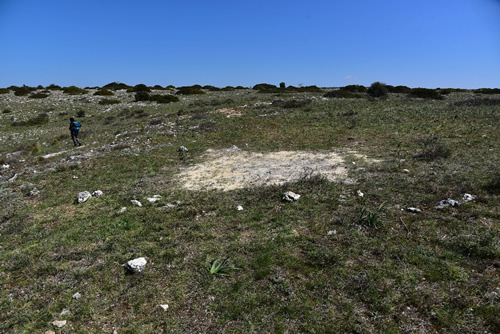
77,126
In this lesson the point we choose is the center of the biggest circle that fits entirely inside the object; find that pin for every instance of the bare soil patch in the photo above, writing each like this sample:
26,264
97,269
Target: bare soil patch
235,169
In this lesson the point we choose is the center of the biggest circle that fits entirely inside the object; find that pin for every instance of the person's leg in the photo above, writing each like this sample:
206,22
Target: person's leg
74,136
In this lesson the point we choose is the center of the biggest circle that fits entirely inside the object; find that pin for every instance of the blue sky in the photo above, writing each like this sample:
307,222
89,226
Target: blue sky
426,43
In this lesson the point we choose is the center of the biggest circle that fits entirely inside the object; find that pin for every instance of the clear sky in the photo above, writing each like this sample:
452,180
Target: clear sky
328,43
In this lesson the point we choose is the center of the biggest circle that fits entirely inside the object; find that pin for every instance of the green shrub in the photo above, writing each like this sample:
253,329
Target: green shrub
399,89
306,89
141,88
142,96
73,90
109,101
431,148
22,91
37,148
492,185
426,93
6,111
478,102
116,86
38,96
104,92
265,88
80,113
354,88
487,91
164,98
190,90
378,89
40,119
4,91
342,94
53,87
291,103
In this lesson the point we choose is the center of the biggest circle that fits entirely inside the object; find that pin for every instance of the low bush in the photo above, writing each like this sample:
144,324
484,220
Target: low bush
354,88
116,86
291,103
431,148
6,111
478,102
342,94
426,93
4,91
164,98
141,88
40,119
190,90
142,96
104,92
399,89
53,87
492,185
80,113
109,101
265,88
39,96
73,90
378,89
487,91
22,91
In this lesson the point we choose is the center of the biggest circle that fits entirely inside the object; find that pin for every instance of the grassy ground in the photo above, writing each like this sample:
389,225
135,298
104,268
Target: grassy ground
331,262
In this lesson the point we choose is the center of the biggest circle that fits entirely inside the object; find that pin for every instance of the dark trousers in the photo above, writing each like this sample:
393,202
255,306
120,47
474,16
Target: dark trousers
74,136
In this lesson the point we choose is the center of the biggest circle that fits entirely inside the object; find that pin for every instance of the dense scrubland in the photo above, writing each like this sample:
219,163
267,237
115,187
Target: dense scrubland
406,241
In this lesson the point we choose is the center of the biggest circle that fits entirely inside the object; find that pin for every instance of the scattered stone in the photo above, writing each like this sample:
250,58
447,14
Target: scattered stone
136,265
50,332
164,306
333,232
64,312
34,192
446,203
74,177
168,206
13,177
6,166
83,197
59,323
136,202
235,148
239,208
468,197
97,193
183,149
154,199
290,196
360,194
414,210
123,209
77,295
406,170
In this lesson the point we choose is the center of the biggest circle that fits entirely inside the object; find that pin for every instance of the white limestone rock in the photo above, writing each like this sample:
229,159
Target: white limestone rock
136,202
290,196
136,265
83,197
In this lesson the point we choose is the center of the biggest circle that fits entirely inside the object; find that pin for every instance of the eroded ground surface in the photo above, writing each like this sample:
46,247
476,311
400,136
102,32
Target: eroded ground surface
234,169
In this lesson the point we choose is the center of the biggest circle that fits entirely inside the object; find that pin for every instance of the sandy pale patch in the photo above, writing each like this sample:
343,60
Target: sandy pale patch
234,169
229,112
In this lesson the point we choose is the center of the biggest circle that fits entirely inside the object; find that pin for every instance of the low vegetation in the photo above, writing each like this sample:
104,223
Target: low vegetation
375,251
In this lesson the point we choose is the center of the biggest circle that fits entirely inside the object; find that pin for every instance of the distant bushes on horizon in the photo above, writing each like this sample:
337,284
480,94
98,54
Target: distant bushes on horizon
268,88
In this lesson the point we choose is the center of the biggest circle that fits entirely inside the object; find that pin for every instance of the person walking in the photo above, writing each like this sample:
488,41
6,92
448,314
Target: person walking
74,128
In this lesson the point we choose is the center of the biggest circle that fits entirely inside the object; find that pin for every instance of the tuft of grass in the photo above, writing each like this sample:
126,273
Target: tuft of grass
221,267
